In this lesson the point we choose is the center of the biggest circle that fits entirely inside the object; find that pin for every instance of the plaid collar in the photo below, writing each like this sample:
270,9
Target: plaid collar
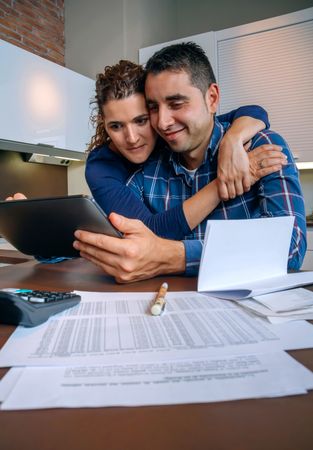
210,154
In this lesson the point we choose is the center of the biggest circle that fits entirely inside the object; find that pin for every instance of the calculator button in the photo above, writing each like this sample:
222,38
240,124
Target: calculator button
36,299
23,297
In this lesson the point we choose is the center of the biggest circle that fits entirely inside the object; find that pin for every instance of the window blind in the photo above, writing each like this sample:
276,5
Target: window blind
274,69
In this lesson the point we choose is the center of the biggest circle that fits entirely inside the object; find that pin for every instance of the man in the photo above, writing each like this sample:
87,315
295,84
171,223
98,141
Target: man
182,97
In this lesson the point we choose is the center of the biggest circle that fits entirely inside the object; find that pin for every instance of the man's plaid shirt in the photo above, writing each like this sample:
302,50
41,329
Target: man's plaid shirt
163,183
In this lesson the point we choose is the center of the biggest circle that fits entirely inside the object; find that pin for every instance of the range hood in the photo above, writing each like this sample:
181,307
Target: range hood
43,153
45,108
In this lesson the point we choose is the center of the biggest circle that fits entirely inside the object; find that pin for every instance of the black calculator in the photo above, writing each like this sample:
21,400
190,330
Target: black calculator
31,308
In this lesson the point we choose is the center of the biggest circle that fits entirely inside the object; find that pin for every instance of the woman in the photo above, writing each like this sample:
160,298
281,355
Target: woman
124,139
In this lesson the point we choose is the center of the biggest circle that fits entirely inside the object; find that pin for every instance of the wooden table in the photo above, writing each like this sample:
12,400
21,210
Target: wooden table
13,257
281,423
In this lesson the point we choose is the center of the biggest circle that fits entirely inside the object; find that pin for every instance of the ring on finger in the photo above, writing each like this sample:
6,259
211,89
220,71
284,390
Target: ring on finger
261,165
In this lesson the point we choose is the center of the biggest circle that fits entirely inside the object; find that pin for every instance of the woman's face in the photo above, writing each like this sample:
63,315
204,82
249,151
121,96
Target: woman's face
128,125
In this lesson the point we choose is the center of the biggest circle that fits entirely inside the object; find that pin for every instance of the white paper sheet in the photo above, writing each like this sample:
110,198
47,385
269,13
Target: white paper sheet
114,328
283,301
256,250
246,290
8,382
261,310
172,382
280,320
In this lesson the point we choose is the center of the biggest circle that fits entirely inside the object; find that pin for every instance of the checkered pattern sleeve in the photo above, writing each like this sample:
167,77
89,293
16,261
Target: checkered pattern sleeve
280,194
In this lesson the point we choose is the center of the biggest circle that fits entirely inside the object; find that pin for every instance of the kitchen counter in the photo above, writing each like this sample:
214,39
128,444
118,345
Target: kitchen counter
9,254
13,257
308,260
5,245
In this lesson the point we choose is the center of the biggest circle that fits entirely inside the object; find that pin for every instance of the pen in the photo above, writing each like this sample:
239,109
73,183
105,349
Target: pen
159,303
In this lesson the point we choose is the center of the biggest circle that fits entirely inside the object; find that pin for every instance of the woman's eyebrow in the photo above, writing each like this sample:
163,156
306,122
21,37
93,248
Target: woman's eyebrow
114,122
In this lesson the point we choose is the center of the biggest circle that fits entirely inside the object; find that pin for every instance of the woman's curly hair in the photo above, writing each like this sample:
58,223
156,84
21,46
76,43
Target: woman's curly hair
116,82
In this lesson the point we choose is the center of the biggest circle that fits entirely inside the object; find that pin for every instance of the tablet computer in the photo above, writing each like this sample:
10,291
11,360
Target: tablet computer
45,226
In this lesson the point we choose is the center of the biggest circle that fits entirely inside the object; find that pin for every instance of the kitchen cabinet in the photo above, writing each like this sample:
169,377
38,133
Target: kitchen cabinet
43,102
269,63
205,40
308,260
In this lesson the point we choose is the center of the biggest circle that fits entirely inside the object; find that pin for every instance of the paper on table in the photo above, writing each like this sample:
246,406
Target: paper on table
256,250
244,291
291,300
280,320
8,382
261,310
118,328
172,382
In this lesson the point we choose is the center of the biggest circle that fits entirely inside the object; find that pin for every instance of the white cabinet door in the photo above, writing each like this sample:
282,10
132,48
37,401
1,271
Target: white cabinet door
205,40
308,260
80,90
42,102
270,63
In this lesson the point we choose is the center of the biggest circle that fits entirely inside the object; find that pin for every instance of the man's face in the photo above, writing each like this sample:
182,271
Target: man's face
127,123
181,114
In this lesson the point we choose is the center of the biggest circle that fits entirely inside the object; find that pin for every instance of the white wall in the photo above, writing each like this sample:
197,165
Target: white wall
199,16
76,183
147,22
93,34
100,32
306,178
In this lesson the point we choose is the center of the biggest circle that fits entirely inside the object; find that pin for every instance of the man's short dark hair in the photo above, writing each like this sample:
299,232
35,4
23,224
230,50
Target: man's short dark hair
186,56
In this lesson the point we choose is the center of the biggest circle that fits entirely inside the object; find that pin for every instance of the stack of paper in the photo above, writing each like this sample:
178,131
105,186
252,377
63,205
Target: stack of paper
110,351
278,307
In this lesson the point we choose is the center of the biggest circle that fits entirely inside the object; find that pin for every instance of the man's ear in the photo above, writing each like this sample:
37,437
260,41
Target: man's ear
212,98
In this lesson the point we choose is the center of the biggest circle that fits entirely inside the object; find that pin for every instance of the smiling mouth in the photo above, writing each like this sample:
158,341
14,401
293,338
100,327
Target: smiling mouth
173,134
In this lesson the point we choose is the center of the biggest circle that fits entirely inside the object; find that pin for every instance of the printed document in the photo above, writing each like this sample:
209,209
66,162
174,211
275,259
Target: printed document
274,317
113,328
283,306
291,300
159,383
244,258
